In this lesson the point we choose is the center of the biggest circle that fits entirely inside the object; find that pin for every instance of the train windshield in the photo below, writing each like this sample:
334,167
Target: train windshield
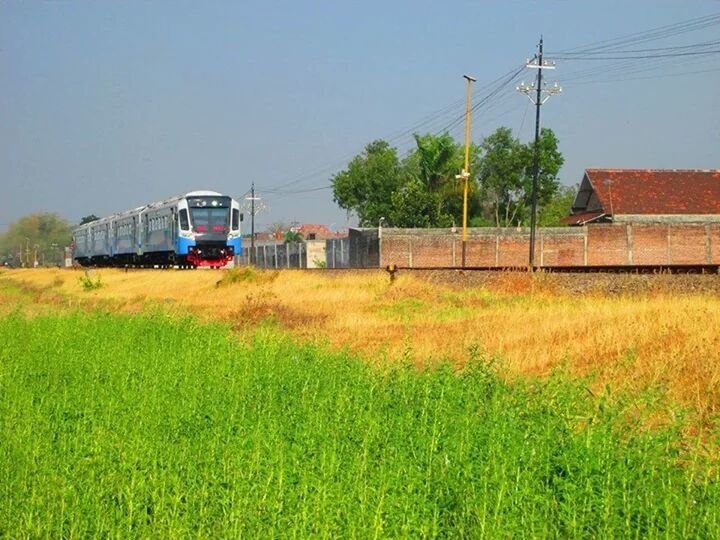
210,219
210,214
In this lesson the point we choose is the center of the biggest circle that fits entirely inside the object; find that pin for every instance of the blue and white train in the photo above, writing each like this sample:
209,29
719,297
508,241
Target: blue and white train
201,228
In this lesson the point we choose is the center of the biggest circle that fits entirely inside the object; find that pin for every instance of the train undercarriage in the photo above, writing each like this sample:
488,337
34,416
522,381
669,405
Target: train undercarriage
212,255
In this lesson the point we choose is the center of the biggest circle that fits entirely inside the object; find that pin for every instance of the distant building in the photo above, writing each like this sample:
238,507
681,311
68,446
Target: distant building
647,196
315,231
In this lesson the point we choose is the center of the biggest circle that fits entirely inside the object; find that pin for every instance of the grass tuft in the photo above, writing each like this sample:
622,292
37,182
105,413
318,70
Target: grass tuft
89,281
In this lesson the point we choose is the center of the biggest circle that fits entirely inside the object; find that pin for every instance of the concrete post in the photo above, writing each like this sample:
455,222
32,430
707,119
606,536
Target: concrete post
497,249
708,244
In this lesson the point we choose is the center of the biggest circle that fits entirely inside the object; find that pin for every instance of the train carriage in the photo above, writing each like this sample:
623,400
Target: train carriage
201,228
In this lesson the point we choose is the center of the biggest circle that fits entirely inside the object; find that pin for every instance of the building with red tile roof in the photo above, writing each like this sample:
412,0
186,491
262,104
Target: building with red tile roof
315,231
647,195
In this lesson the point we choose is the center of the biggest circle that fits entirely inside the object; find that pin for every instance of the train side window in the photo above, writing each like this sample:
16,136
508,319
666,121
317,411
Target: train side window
235,219
184,222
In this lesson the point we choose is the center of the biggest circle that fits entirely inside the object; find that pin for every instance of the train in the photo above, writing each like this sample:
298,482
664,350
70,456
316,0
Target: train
198,229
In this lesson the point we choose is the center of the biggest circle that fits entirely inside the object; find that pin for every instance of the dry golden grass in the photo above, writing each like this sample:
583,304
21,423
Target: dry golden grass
661,341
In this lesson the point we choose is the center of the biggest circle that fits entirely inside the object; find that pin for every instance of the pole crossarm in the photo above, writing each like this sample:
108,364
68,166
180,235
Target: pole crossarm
547,91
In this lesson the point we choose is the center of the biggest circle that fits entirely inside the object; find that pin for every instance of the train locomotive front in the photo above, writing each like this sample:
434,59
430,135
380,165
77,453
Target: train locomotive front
208,229
201,228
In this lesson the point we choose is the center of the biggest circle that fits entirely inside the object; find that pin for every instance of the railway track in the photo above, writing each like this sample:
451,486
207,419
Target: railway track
618,269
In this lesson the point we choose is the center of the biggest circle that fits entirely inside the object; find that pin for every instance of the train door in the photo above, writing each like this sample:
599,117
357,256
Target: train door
137,235
112,238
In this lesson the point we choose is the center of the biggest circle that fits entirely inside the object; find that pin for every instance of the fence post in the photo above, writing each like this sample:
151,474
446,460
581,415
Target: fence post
708,244
497,248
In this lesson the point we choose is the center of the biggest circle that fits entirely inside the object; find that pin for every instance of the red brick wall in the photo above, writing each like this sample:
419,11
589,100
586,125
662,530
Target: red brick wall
480,251
649,244
607,245
687,244
562,249
514,249
715,243
432,251
594,245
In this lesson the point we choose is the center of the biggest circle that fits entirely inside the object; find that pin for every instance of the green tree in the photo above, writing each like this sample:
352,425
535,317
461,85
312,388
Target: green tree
293,236
40,237
367,184
551,161
414,206
439,160
506,174
423,190
557,208
501,176
88,219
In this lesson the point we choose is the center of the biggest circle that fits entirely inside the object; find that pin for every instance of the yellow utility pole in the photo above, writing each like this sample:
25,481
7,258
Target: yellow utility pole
465,175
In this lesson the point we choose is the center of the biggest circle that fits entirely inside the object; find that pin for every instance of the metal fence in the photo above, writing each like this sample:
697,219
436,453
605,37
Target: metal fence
364,248
276,255
337,253
361,249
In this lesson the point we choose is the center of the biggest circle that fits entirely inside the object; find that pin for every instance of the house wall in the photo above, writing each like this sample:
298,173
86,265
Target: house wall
315,253
592,245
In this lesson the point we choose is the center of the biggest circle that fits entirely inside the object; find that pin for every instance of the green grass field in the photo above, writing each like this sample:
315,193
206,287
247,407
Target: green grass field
149,426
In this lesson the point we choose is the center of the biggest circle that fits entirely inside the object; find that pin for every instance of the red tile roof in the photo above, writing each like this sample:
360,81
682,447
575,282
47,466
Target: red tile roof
321,231
582,219
655,191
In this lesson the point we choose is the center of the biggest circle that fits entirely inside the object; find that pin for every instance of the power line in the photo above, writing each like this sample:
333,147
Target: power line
681,74
640,57
495,87
645,36
622,60
649,50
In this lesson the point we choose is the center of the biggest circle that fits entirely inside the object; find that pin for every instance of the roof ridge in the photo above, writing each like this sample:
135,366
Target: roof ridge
652,170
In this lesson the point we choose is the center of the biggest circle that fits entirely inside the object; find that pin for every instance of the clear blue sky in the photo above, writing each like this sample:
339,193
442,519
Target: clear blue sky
107,105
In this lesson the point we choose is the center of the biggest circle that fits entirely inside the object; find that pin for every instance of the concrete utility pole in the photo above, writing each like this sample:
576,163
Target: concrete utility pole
465,174
538,89
252,200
